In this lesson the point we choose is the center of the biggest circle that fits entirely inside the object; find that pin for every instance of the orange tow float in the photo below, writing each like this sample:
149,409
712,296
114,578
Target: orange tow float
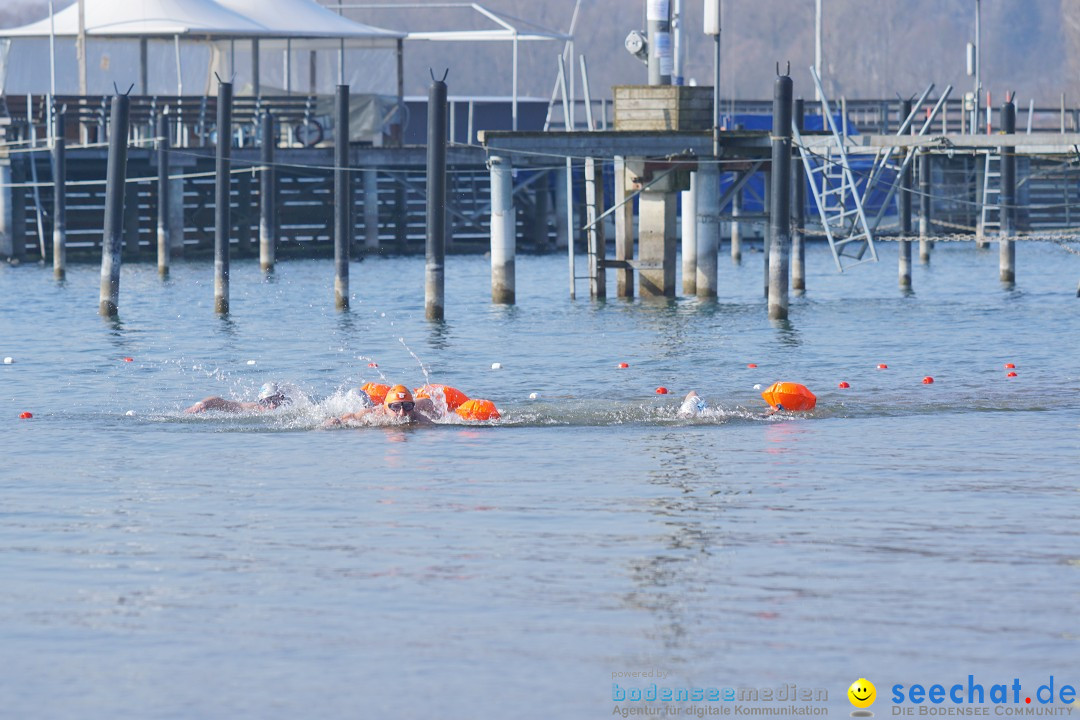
478,410
789,396
454,397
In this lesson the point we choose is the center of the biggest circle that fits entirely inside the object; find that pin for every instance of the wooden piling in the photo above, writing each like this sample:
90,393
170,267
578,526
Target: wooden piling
924,208
222,198
267,196
780,216
707,230
798,209
164,241
113,229
59,162
1006,244
435,246
342,199
904,262
503,231
624,232
688,220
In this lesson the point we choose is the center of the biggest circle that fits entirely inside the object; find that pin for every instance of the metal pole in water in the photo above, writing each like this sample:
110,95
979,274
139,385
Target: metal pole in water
708,229
503,231
736,228
113,230
798,210
164,238
1006,245
434,288
342,200
267,196
597,242
59,200
924,208
624,231
780,216
222,198
904,268
689,237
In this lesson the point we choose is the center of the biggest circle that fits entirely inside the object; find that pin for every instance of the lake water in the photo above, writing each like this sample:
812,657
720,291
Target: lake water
162,565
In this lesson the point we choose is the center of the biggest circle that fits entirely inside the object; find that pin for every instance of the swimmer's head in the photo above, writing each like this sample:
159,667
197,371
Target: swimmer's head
272,395
399,400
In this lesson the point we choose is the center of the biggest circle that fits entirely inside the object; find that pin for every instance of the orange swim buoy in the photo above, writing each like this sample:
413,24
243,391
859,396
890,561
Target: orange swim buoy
454,397
789,396
478,410
376,391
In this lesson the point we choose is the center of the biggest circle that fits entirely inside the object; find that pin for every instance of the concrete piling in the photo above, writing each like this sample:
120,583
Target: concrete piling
267,195
164,241
904,263
780,215
656,244
597,243
1006,244
59,162
708,229
113,230
503,231
688,220
624,232
434,288
342,199
222,198
798,210
736,227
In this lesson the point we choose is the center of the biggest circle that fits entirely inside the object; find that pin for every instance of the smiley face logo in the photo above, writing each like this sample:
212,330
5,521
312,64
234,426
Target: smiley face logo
862,693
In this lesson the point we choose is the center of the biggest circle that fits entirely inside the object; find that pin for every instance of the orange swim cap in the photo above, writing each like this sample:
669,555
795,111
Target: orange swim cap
454,397
398,393
478,410
376,391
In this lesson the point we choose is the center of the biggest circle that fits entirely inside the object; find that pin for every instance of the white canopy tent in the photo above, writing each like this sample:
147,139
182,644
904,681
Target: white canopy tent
165,47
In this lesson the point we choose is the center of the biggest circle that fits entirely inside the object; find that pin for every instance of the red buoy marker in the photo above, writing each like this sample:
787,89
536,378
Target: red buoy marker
623,366
1012,374
928,380
751,365
661,391
25,416
373,364
843,385
1010,366
882,366
129,359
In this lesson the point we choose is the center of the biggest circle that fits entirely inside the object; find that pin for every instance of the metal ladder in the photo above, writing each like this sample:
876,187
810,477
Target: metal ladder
990,216
836,194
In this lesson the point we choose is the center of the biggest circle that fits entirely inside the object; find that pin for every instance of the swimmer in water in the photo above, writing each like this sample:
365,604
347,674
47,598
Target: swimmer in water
693,405
399,407
271,397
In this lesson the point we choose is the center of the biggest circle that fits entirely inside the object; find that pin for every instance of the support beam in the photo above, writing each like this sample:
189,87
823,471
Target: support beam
904,262
688,218
798,211
503,231
267,196
113,230
435,246
708,229
656,244
164,244
59,160
342,199
924,208
624,231
222,198
371,210
597,242
736,227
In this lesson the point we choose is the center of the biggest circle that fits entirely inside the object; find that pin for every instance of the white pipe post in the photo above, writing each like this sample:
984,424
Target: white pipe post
689,237
708,229
503,231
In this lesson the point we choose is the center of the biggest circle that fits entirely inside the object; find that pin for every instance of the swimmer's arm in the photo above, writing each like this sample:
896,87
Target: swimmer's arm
215,402
348,418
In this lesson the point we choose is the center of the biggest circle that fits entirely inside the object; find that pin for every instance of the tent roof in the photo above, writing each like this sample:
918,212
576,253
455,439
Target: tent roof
304,18
203,18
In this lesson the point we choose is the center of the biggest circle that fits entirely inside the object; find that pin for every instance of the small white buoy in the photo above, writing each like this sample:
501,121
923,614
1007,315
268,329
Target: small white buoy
251,362
496,366
9,360
129,413
533,396
757,387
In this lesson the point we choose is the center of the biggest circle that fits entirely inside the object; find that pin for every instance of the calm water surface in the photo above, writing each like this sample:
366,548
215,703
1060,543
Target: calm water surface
156,564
